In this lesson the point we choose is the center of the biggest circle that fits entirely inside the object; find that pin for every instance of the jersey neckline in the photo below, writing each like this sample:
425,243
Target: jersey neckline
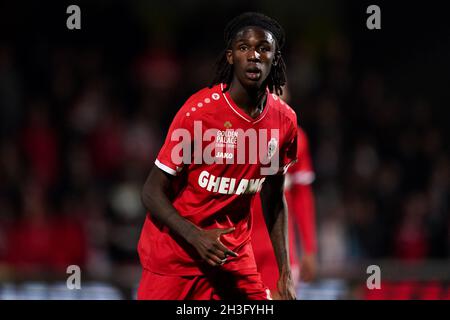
236,109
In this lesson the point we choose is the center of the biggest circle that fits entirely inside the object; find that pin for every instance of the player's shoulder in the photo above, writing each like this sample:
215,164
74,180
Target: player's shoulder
201,101
204,97
284,109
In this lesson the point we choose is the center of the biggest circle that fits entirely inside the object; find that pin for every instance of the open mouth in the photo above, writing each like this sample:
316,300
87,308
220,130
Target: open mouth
253,73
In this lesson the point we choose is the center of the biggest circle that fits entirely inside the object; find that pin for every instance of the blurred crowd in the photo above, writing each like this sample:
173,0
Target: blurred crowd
80,128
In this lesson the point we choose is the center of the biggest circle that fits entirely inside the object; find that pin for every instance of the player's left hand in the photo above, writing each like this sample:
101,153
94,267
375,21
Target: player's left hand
286,286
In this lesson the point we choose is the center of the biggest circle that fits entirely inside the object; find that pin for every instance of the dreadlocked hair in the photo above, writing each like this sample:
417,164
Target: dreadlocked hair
224,71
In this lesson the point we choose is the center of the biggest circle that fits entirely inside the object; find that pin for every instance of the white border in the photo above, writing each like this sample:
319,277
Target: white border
165,168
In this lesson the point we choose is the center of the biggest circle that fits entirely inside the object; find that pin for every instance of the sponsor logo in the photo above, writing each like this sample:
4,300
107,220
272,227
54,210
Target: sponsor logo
226,185
224,155
271,147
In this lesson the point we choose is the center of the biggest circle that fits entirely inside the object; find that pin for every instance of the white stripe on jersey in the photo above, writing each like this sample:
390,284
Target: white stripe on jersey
165,168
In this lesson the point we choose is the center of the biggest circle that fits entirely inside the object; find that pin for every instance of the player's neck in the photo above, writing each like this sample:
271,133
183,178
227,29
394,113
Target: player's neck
251,102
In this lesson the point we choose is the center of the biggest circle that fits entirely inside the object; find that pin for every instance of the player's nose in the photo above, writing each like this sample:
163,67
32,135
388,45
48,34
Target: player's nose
253,55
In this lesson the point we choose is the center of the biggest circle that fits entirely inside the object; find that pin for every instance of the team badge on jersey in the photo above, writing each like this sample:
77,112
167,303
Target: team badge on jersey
271,147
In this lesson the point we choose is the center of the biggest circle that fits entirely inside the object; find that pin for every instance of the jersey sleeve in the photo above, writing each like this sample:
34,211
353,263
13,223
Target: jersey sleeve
302,172
176,151
288,153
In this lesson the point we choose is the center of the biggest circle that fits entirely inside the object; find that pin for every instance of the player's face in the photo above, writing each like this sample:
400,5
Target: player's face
252,54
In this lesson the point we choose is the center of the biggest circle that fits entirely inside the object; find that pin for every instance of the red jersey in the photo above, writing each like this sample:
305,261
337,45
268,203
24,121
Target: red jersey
217,176
301,210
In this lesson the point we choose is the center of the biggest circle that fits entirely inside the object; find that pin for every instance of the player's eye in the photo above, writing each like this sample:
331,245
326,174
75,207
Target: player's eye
264,49
243,48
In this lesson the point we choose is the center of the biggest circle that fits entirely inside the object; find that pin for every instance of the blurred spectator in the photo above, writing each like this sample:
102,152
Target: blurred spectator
41,242
107,145
411,239
10,92
40,144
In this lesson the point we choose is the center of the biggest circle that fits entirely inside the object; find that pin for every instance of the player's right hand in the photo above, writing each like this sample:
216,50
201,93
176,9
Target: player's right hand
211,249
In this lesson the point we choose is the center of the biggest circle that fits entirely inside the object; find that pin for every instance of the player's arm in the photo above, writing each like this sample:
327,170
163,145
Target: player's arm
155,197
276,217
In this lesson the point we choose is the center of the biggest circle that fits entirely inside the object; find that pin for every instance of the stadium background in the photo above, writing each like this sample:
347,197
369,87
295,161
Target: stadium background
83,113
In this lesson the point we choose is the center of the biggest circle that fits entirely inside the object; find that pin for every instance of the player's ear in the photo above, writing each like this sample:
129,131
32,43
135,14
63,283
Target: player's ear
229,55
276,58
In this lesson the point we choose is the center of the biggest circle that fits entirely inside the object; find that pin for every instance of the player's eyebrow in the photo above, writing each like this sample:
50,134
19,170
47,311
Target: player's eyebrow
262,41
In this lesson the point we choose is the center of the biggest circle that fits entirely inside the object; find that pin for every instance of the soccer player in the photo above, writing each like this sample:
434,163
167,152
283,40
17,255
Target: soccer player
301,208
227,143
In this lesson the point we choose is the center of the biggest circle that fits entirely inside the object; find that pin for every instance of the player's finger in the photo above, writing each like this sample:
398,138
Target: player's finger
215,259
219,253
211,262
226,231
216,251
226,250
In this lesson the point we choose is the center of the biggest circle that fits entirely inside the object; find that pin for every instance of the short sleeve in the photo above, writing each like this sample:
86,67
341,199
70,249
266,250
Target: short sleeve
288,153
302,171
176,152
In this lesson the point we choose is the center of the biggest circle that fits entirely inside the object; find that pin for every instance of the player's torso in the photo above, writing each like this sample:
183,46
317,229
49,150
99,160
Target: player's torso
231,154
